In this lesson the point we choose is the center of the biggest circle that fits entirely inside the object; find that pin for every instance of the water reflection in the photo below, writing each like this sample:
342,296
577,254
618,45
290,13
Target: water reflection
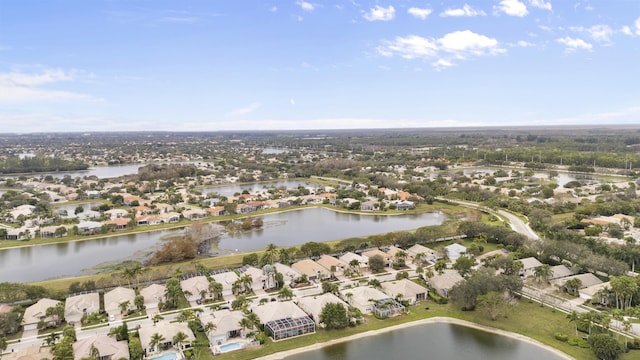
283,229
432,341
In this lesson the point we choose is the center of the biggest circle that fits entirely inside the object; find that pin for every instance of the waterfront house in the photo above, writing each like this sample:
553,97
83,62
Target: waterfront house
313,305
76,307
227,279
37,313
406,290
362,297
335,266
442,283
114,298
194,286
153,295
283,320
313,270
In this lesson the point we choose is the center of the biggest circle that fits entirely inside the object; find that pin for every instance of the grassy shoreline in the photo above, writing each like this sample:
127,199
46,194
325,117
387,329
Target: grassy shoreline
526,319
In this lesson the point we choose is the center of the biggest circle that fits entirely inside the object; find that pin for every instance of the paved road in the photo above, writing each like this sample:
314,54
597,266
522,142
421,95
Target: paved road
516,223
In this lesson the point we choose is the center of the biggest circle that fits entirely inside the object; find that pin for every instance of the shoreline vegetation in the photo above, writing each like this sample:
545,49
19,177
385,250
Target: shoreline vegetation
447,320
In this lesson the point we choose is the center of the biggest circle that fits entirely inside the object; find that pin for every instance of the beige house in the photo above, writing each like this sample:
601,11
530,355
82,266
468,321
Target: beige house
348,257
529,266
260,280
334,265
287,272
427,253
152,295
33,352
117,296
226,279
37,312
108,348
442,283
192,287
313,305
409,290
76,307
313,270
167,331
371,253
277,310
362,297
227,325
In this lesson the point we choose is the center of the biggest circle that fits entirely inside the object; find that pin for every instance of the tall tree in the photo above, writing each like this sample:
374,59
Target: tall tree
155,341
334,316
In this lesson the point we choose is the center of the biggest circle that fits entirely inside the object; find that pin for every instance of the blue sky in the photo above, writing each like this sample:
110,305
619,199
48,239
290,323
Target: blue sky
123,65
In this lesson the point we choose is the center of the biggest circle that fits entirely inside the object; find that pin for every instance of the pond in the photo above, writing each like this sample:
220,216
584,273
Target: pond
440,341
283,229
320,224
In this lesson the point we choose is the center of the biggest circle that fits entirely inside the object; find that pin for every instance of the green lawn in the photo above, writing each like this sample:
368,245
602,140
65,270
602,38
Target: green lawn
526,318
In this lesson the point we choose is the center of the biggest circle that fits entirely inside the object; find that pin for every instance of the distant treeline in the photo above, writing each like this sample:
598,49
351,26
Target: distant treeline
166,171
15,165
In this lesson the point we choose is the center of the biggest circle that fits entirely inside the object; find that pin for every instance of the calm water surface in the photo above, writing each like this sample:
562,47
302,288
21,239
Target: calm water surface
439,341
285,229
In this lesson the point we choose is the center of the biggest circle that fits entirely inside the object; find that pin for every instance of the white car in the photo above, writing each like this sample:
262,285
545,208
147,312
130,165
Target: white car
112,317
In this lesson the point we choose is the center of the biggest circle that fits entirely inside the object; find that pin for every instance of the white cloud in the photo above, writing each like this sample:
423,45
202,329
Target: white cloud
410,47
599,33
458,45
442,64
273,9
466,10
540,4
637,23
245,110
419,13
460,42
626,30
379,13
512,8
306,6
292,101
524,44
18,86
573,44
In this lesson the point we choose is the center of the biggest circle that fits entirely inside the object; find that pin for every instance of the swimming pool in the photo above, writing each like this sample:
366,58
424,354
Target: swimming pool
230,347
166,356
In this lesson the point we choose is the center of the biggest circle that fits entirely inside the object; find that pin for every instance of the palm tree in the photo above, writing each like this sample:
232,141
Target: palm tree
178,339
209,326
355,265
124,306
215,288
418,258
440,266
56,313
246,280
349,296
543,272
155,341
270,254
285,256
203,295
245,324
285,293
375,283
575,318
253,319
626,326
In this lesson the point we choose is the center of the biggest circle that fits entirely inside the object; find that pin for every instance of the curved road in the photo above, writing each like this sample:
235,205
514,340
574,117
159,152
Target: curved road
516,223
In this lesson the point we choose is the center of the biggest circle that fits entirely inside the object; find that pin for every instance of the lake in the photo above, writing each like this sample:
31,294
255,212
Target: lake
442,341
290,228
